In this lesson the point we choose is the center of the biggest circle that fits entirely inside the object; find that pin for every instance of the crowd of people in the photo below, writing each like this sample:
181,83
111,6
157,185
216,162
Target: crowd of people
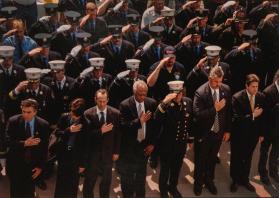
92,84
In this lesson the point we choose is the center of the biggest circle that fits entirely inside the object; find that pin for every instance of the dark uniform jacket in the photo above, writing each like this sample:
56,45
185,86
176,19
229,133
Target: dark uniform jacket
38,61
100,30
176,121
44,97
7,84
171,36
122,88
143,37
118,18
115,63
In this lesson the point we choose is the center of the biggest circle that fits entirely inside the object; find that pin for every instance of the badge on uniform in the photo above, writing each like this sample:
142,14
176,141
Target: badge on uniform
41,93
177,75
15,72
187,115
172,104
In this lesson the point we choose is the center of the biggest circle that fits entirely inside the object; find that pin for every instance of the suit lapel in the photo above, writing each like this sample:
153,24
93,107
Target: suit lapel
209,95
246,100
133,106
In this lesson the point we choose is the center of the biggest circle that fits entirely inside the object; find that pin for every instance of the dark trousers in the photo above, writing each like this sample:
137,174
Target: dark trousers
133,173
206,151
242,149
21,182
170,166
67,176
91,176
273,156
133,182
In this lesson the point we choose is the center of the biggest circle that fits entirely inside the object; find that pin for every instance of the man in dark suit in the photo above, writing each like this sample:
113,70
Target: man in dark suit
271,136
103,144
28,143
93,24
40,56
247,131
175,113
212,114
10,75
115,51
138,138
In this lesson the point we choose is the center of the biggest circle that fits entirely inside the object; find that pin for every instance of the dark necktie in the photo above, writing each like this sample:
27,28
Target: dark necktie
59,86
102,118
33,93
252,55
117,50
45,61
216,125
92,25
27,153
135,38
197,50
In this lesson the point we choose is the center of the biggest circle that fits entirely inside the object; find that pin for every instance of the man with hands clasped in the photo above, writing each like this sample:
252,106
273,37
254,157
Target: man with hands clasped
103,144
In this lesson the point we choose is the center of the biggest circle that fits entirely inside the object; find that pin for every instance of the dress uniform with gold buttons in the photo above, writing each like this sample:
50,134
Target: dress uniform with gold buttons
32,88
175,114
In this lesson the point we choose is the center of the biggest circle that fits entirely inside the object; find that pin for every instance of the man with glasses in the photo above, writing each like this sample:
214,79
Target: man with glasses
92,24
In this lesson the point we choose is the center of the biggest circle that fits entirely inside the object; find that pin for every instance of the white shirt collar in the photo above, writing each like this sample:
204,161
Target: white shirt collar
105,111
212,90
137,103
249,95
62,82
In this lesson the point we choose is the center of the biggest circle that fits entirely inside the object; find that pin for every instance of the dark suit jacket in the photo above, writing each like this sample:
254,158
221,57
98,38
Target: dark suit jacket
36,61
102,146
243,123
131,149
204,111
171,37
16,136
272,111
75,5
62,43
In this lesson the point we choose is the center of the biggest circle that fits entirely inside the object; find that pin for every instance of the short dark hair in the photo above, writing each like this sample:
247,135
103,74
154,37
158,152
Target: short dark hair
101,91
77,106
29,103
250,78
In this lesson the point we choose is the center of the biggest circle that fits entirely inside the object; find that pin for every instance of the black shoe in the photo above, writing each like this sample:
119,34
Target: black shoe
234,187
164,194
175,193
249,187
265,180
42,185
197,189
211,188
218,161
275,177
153,163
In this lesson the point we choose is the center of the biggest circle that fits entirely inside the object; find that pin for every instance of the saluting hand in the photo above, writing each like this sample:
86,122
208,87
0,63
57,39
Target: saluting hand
186,39
83,20
106,128
22,86
35,51
201,63
243,46
36,172
169,97
105,40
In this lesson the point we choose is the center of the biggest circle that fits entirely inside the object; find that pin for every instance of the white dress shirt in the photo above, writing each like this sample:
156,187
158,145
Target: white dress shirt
144,124
99,113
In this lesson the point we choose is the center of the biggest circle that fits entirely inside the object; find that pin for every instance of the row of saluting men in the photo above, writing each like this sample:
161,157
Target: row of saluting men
91,140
